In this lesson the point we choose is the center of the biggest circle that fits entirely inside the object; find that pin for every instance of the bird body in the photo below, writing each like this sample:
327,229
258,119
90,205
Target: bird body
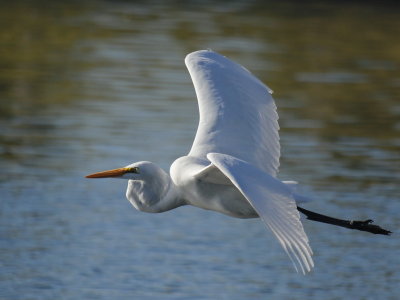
202,185
232,165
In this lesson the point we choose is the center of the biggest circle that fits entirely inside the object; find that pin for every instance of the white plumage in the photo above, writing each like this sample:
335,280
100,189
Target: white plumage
237,113
232,165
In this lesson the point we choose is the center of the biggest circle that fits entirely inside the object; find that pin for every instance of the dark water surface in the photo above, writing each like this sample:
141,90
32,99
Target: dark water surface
92,85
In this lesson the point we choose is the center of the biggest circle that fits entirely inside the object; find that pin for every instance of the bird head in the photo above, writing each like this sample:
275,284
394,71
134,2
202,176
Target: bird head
148,186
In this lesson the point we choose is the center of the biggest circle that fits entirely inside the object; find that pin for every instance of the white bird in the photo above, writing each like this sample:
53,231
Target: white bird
232,165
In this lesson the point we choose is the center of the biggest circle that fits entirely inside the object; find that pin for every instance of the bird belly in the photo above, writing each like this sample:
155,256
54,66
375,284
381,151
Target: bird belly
225,199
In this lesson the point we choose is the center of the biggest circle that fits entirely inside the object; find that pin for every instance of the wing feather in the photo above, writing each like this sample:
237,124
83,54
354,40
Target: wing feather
237,112
274,203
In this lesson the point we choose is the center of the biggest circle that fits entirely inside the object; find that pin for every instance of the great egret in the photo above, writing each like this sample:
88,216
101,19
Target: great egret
232,165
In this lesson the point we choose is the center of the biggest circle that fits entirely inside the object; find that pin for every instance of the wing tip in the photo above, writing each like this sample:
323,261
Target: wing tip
199,53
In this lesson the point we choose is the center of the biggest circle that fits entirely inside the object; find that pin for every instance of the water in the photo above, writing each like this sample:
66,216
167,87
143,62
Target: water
87,86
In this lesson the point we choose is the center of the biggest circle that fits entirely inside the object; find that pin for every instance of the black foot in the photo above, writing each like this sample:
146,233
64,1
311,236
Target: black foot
367,226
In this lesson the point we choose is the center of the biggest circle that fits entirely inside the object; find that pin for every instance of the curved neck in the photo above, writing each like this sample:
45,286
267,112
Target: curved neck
156,193
172,198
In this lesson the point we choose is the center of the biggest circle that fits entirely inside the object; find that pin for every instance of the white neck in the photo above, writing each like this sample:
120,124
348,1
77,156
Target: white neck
154,192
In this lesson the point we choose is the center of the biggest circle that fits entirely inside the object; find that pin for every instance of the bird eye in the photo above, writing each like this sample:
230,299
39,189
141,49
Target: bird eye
133,170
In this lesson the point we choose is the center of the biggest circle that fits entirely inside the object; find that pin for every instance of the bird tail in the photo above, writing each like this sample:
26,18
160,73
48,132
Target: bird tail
297,197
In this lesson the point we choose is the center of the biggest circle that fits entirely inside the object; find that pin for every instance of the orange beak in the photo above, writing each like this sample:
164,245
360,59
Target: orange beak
110,173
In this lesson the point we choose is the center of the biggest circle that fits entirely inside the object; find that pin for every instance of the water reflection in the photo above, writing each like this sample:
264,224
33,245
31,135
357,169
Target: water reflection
89,85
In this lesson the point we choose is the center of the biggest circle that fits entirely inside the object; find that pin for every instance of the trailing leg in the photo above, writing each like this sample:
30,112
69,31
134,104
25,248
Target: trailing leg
359,225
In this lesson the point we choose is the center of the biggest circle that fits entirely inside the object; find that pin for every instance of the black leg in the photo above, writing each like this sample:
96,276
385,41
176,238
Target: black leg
359,225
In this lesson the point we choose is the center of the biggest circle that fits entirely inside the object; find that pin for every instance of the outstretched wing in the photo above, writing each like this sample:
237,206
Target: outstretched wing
237,112
274,203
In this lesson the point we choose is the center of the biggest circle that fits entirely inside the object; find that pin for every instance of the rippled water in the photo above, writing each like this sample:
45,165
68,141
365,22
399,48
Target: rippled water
87,86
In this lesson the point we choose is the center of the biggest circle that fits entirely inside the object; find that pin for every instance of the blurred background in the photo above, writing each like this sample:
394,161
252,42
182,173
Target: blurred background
93,85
